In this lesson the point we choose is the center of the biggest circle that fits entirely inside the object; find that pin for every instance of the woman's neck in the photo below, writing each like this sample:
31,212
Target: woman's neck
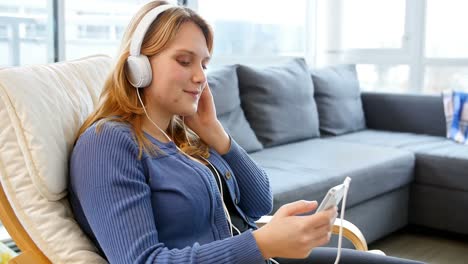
151,129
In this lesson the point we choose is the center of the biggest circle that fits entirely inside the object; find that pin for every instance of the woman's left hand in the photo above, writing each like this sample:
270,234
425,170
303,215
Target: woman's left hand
206,125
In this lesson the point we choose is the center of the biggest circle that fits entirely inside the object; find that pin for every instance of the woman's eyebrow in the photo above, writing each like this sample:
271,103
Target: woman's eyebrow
192,53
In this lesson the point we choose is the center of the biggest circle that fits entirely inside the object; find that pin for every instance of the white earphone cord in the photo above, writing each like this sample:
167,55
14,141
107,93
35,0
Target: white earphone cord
146,113
226,211
340,235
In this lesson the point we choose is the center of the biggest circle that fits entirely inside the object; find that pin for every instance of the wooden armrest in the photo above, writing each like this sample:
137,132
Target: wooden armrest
350,231
28,257
30,252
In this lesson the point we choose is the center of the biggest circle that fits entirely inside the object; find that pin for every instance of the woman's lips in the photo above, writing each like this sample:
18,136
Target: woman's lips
194,94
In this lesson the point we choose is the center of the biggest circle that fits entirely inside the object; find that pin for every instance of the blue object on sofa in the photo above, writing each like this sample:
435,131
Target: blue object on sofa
456,115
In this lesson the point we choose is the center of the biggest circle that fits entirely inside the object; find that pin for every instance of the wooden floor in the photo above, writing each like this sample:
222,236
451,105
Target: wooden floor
433,247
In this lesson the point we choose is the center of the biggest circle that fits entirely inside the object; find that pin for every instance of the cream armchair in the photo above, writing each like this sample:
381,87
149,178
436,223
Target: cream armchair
41,109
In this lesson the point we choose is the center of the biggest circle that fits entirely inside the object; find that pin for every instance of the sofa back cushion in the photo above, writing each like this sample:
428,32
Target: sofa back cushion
382,109
278,102
338,98
225,89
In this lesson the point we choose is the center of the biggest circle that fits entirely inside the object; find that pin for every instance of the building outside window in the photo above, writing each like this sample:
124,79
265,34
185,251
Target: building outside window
24,36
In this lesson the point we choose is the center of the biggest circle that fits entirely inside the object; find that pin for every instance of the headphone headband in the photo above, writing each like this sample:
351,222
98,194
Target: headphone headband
143,26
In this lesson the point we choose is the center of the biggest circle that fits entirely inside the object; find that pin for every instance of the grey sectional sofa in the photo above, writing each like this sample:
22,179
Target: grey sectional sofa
309,129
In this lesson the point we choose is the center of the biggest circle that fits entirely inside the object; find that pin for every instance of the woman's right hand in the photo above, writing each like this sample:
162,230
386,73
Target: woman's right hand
288,235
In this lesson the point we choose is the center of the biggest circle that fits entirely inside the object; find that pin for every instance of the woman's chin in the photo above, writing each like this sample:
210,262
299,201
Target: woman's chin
188,112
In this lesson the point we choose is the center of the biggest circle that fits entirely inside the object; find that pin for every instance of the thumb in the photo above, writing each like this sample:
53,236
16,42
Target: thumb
297,207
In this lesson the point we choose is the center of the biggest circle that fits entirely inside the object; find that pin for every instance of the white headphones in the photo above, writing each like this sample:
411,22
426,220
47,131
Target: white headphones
138,67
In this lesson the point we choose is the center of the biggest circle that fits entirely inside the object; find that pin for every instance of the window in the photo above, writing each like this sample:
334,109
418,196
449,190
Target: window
24,35
371,34
370,24
446,63
89,32
4,32
399,46
96,27
440,78
35,31
242,31
383,77
445,37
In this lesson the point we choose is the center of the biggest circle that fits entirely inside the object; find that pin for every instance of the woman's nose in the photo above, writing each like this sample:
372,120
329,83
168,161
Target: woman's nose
199,75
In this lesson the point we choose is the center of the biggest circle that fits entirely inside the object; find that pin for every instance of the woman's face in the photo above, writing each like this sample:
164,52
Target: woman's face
179,73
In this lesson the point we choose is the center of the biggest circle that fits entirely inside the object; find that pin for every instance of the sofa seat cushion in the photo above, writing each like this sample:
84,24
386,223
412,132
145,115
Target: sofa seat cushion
390,139
439,161
307,169
443,164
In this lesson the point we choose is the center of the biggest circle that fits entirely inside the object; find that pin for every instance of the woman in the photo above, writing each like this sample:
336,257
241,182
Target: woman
156,179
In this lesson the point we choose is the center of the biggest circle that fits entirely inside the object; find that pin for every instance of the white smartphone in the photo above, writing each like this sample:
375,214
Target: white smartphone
334,196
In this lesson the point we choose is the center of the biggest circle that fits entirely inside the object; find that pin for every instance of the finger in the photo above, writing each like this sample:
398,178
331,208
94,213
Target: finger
322,231
297,207
206,102
320,240
324,224
324,239
206,90
329,213
319,219
333,212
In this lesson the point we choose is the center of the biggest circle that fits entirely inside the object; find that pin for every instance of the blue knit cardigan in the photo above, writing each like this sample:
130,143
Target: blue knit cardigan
164,208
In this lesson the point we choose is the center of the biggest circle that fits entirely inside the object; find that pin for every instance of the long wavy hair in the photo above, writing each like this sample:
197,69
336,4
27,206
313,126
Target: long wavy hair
119,101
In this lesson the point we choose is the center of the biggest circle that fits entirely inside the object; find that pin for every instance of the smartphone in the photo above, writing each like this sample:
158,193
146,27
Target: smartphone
334,196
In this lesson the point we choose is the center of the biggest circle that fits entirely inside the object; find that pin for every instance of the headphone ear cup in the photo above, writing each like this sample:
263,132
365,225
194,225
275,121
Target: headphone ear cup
138,71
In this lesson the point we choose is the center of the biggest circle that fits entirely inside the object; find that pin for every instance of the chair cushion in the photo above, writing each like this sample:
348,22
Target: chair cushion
225,89
279,102
338,98
41,110
307,169
46,109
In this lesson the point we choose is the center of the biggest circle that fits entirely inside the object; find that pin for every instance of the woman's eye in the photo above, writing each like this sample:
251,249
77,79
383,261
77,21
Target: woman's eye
184,63
204,67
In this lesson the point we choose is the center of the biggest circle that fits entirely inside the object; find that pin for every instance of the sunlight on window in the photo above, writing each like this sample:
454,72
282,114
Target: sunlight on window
256,28
440,78
369,24
389,78
445,33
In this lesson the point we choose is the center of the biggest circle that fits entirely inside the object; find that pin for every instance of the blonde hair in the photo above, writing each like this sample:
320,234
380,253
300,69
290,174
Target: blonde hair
119,101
